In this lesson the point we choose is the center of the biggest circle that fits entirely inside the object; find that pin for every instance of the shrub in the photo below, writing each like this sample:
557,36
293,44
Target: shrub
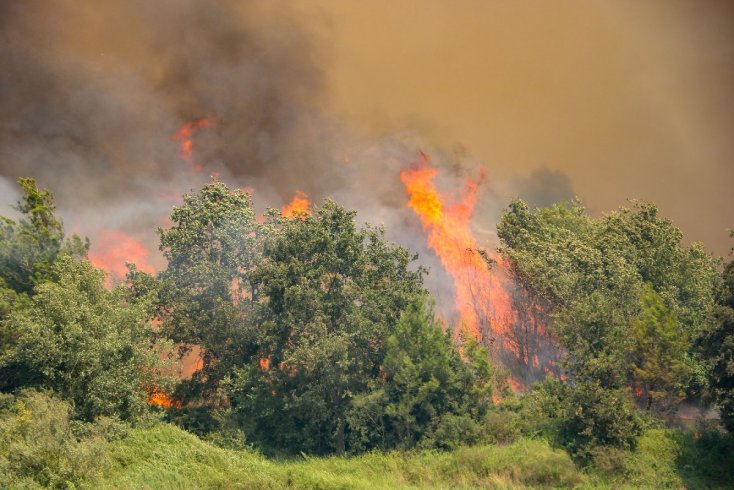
39,446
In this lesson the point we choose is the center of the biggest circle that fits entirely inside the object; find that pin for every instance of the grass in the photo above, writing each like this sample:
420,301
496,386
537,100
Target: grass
167,457
40,446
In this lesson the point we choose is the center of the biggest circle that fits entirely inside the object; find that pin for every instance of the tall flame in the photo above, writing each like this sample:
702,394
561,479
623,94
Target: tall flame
481,299
300,205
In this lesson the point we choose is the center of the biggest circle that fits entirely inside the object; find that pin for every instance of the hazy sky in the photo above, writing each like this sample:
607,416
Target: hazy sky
630,99
606,100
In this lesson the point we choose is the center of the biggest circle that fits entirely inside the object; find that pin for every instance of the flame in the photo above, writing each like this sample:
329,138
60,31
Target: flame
481,299
299,206
113,249
158,398
185,138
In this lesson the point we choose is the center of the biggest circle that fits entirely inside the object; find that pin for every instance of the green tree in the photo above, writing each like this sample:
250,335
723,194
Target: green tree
428,394
30,246
581,416
29,249
625,298
88,344
329,297
717,346
592,273
205,294
661,367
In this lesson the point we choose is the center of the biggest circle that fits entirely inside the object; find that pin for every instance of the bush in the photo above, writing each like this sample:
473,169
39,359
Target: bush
582,417
88,344
40,446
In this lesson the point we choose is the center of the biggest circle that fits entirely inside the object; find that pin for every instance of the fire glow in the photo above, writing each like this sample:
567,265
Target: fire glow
299,206
113,249
185,138
158,398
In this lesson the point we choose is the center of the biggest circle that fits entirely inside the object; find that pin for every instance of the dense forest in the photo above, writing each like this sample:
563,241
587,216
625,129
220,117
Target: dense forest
322,361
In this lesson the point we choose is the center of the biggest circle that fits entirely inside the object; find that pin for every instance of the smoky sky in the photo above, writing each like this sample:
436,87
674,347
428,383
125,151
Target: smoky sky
91,93
91,96
334,98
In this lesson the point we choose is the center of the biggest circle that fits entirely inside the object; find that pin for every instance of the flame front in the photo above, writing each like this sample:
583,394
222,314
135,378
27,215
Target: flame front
481,300
299,206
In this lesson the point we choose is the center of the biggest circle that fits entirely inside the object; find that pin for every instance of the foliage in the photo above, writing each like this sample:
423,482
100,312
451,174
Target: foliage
671,458
29,249
599,277
87,343
428,395
328,296
718,347
661,368
205,294
581,417
40,445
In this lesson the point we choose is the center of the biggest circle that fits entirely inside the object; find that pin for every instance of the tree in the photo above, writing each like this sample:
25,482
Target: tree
625,298
717,346
661,367
593,274
328,296
205,294
29,250
88,344
30,246
428,394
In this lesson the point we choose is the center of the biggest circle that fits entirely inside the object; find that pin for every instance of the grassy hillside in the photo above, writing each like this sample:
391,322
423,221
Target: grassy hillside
167,457
40,446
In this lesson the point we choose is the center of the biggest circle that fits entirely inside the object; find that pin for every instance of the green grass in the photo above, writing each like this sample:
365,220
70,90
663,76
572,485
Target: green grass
41,447
167,457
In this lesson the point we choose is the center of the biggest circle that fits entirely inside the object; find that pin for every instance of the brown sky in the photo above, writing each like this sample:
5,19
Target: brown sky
631,99
627,98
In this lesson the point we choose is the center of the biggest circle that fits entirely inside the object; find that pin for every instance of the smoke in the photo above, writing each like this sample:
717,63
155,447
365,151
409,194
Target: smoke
122,109
543,187
89,100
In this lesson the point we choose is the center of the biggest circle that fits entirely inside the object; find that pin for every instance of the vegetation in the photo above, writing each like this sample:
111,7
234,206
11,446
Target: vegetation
325,366
328,296
627,301
718,349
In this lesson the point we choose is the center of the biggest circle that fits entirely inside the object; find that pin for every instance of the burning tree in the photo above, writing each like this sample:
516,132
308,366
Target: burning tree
492,308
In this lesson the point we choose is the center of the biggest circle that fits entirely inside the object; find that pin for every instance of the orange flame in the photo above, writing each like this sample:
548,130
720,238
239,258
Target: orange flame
484,306
113,249
299,206
185,137
158,398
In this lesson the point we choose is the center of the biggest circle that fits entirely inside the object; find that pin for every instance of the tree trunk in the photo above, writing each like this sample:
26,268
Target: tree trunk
340,446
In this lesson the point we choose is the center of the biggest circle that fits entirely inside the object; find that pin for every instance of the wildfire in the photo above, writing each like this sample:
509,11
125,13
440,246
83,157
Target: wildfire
160,399
484,306
185,137
299,206
113,249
